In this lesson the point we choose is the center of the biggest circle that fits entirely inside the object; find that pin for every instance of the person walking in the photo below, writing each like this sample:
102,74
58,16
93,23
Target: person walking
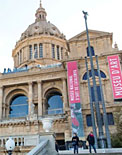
56,146
75,140
91,141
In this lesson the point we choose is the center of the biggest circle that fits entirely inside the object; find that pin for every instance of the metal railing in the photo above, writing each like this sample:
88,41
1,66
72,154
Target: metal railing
54,111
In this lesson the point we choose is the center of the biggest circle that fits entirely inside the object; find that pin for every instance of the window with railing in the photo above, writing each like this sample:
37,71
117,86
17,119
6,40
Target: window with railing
40,50
19,106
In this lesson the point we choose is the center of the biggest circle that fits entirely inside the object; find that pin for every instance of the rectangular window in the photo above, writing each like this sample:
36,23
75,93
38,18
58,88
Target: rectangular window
98,93
61,52
35,51
110,119
88,120
30,52
58,54
53,51
20,56
92,51
40,50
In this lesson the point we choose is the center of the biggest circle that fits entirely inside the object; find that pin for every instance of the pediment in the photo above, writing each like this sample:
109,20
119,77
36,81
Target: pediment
92,34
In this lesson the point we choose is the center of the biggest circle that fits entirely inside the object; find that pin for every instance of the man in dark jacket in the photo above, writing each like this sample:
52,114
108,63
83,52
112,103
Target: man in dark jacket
75,141
91,141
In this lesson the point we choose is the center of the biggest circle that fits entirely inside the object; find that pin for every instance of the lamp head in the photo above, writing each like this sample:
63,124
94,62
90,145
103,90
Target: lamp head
10,144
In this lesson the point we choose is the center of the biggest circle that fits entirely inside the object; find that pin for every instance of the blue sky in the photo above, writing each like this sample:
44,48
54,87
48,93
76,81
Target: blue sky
17,15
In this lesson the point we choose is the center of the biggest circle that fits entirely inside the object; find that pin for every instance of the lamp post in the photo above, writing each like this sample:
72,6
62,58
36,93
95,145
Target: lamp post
97,106
10,145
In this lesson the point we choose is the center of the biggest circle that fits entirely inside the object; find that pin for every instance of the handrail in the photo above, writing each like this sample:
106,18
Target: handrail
40,148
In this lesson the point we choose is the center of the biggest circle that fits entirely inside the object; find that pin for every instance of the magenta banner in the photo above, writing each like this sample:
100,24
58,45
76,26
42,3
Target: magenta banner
73,82
116,75
74,98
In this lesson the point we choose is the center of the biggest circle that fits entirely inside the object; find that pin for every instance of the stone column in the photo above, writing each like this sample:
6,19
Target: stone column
67,135
3,110
30,98
65,101
40,98
1,101
44,106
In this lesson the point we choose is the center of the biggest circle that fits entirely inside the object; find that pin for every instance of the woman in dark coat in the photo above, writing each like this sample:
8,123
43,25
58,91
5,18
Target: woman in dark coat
91,141
75,141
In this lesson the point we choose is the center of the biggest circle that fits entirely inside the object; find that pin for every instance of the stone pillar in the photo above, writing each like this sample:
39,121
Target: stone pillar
40,98
68,135
30,98
1,101
38,50
44,106
4,109
65,101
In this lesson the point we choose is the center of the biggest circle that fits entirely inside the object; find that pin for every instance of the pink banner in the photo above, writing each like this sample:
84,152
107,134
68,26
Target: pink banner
73,82
116,76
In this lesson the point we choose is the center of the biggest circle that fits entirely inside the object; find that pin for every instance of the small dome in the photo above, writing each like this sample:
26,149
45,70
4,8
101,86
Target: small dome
41,26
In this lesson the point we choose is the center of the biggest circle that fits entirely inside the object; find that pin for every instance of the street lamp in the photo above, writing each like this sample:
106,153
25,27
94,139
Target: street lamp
10,145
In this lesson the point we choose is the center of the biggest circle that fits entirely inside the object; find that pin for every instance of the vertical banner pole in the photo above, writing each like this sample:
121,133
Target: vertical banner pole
91,105
103,106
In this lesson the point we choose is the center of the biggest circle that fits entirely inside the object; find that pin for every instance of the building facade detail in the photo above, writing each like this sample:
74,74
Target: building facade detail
37,86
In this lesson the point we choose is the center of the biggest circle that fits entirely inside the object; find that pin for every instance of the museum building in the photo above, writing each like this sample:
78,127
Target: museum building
37,87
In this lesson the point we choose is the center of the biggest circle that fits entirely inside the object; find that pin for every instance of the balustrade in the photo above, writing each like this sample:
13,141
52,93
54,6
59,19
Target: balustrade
19,140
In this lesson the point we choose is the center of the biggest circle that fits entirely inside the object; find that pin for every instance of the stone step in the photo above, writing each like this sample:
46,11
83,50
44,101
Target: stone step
112,151
94,154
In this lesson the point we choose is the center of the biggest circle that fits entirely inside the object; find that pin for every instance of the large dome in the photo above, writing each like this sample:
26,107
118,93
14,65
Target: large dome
41,26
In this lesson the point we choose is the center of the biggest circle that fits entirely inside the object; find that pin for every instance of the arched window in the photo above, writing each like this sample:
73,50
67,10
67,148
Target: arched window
92,51
19,106
54,102
96,74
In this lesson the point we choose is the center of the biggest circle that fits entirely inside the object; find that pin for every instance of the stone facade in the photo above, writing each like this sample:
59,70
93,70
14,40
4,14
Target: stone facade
40,58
